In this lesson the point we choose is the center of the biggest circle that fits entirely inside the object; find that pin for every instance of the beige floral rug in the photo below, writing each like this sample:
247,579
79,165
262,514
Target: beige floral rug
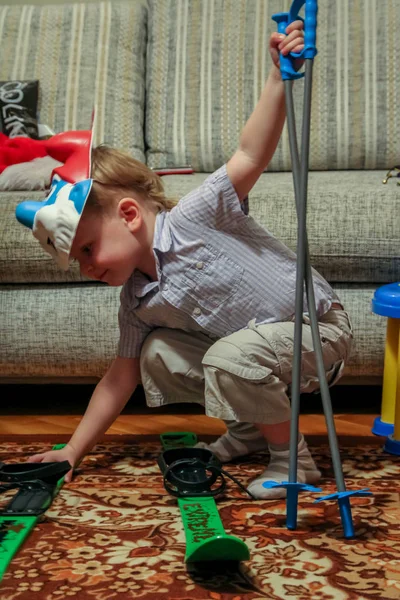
115,533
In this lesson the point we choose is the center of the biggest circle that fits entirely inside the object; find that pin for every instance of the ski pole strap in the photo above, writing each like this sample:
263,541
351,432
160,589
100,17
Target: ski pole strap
37,486
310,35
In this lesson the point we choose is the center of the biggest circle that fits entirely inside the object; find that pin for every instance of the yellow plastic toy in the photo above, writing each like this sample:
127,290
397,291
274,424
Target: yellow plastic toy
386,302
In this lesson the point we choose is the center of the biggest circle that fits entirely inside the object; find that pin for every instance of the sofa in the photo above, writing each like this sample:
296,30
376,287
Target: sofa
173,82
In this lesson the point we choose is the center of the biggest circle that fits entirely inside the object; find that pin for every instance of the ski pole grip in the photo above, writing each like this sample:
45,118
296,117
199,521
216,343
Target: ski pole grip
310,35
285,62
310,25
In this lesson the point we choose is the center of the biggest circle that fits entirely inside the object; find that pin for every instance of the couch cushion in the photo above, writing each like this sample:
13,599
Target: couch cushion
353,225
64,332
58,331
353,228
207,62
83,55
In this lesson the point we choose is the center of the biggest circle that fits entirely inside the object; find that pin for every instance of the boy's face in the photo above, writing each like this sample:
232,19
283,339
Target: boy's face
107,249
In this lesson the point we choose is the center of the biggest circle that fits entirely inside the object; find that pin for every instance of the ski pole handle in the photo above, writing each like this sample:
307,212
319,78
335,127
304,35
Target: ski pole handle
310,25
285,62
310,33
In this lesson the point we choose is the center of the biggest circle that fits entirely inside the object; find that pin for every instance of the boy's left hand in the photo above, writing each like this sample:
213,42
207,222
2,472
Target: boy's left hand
293,41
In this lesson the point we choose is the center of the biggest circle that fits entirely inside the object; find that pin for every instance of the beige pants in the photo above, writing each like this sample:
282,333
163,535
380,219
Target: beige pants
245,376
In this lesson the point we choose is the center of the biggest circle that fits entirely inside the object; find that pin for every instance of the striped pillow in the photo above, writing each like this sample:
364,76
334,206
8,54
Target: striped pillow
83,55
207,62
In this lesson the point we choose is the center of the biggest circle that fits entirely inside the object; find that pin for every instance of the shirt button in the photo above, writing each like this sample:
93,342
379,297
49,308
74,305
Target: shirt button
197,311
199,265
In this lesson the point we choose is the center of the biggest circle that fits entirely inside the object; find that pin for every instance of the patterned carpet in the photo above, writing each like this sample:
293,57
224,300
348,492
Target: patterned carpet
115,533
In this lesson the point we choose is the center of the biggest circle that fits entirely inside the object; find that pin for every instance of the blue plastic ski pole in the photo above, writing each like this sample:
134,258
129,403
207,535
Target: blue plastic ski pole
289,73
300,179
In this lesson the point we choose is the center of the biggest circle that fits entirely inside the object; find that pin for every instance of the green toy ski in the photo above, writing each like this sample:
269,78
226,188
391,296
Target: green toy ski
37,485
191,474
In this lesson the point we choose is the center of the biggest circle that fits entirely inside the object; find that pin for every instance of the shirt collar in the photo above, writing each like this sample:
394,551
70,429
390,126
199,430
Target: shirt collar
162,234
161,243
142,285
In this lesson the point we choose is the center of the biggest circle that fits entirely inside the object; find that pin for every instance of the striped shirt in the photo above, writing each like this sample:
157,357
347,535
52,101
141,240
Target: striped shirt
217,268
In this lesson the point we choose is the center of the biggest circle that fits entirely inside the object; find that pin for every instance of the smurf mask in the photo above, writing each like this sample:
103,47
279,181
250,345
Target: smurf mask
54,220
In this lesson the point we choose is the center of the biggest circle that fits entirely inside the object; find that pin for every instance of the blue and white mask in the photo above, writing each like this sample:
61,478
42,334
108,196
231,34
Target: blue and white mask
55,219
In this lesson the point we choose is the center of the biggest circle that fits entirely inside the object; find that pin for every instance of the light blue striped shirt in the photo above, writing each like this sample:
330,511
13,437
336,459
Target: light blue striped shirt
217,268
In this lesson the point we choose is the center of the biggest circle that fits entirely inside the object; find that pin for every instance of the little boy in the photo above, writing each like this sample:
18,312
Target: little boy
207,304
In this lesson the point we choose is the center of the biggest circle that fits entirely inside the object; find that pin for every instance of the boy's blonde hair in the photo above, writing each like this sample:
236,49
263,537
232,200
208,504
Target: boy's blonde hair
116,173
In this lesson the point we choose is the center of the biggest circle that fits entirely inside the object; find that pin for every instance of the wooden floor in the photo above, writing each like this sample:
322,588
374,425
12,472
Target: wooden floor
347,425
56,410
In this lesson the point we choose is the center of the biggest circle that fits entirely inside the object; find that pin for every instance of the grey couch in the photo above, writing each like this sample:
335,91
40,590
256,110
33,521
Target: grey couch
173,83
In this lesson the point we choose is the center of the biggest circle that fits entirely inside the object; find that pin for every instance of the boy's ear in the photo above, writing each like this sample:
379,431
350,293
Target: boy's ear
129,211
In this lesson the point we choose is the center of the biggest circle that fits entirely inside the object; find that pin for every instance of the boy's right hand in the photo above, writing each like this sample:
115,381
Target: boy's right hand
66,453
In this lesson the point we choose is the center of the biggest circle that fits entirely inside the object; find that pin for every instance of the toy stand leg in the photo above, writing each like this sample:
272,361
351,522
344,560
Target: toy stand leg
383,425
392,444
